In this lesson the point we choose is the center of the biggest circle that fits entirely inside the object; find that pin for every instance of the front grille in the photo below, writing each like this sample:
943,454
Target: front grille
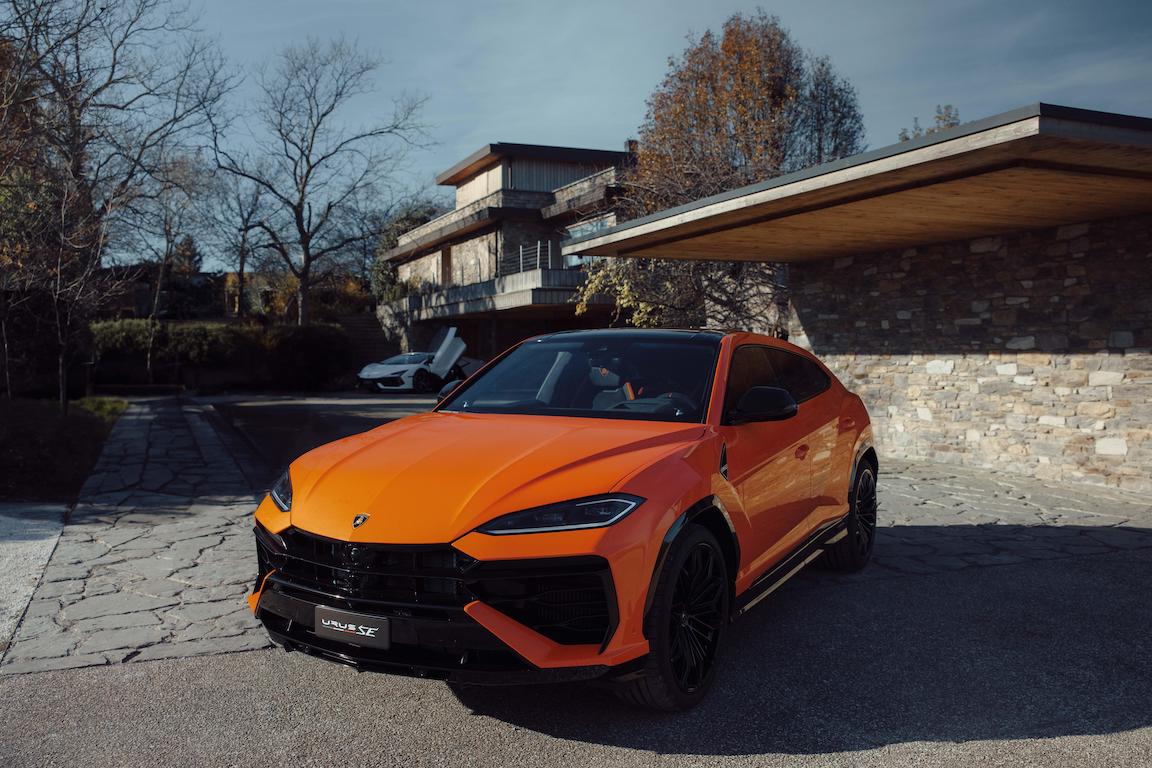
429,576
390,381
570,600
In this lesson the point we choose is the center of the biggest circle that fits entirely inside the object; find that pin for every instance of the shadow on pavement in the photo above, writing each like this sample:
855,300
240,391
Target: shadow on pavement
1058,645
280,432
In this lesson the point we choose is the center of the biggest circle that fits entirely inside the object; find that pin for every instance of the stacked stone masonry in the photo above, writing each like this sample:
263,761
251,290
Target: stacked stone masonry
1028,352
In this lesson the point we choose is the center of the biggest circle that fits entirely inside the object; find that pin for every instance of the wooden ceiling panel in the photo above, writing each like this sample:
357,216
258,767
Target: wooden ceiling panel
972,206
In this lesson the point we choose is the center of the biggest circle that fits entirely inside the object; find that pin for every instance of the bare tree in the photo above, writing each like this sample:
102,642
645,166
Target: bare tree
121,87
315,170
160,219
230,211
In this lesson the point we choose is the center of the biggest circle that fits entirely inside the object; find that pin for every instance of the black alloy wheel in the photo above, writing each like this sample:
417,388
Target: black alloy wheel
696,616
865,505
684,625
855,550
423,382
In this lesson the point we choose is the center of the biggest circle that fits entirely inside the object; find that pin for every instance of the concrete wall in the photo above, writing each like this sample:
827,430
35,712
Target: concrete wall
1028,352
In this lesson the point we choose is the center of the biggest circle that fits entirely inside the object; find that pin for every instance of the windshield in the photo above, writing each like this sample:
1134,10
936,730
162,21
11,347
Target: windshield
409,358
606,375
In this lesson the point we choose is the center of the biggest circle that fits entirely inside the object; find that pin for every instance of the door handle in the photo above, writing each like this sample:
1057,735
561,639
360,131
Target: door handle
847,423
801,452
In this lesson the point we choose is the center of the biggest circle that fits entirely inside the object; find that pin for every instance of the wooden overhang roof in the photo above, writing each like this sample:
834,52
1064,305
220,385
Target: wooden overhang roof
1034,167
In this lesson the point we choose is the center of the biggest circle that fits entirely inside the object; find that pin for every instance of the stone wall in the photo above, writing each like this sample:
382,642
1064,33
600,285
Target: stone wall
422,271
1029,352
474,260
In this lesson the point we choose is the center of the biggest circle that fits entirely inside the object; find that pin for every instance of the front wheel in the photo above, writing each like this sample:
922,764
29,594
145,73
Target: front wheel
684,625
423,382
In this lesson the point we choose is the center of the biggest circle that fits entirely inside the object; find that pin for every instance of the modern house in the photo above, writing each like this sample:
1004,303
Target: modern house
492,266
986,289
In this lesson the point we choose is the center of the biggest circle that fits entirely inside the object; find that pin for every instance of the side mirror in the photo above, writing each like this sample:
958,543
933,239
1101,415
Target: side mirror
763,404
447,389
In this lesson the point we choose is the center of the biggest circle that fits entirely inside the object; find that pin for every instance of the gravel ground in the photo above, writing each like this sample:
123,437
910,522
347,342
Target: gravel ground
28,533
1043,663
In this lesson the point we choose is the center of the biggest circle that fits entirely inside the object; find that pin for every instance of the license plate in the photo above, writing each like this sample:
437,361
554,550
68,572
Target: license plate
348,627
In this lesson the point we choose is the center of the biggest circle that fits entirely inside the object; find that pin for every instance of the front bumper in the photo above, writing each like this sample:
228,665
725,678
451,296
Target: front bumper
387,383
449,615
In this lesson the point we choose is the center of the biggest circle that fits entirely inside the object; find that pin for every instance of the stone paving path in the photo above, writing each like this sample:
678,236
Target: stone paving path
936,518
156,558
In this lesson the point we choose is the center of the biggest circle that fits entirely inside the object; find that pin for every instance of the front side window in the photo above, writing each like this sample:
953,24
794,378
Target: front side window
618,375
756,366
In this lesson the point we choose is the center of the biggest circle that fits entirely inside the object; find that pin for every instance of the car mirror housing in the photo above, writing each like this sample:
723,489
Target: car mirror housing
763,404
447,390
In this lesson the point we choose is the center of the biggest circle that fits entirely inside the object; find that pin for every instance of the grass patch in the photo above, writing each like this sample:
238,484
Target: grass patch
47,457
107,408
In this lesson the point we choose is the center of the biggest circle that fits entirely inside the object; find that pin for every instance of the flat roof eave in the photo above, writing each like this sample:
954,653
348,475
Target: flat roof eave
1061,145
489,154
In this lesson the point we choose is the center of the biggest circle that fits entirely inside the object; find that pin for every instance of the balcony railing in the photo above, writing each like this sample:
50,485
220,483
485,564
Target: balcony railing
542,254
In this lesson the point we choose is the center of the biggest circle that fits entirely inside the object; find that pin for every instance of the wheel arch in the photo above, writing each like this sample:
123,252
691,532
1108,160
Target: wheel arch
709,512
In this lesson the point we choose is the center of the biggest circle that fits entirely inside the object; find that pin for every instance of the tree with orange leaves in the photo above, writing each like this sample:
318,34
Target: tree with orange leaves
734,109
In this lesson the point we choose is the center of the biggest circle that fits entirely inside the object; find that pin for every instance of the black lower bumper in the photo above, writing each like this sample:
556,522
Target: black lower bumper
448,646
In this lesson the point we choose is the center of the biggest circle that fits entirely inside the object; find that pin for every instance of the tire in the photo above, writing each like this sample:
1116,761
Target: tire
855,550
423,382
683,644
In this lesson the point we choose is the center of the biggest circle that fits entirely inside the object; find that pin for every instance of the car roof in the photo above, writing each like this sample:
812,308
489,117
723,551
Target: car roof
653,333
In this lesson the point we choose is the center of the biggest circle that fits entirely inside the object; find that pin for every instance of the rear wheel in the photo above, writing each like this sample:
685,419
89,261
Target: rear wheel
684,625
853,551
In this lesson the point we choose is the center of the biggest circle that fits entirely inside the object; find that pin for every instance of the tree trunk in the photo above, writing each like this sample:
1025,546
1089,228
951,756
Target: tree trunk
152,318
62,378
7,358
241,308
302,302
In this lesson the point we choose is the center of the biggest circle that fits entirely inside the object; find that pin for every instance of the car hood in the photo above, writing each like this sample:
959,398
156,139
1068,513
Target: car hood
434,477
377,370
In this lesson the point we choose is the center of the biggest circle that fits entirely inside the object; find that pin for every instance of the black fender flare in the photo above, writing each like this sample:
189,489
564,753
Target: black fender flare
686,518
864,447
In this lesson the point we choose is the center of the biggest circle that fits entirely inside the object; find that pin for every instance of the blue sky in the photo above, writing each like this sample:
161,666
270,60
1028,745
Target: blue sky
577,73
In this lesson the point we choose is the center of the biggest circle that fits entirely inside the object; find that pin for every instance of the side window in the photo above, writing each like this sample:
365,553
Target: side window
749,368
801,377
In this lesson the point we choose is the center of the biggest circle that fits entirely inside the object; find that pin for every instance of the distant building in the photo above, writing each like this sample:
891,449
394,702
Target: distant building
492,266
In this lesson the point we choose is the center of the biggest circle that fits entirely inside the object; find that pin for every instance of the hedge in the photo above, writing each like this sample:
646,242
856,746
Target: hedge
288,357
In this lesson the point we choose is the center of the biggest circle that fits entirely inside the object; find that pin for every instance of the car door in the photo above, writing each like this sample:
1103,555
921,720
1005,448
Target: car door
767,464
819,412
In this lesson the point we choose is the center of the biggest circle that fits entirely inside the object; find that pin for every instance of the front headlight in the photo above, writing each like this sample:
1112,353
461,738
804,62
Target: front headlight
593,512
281,492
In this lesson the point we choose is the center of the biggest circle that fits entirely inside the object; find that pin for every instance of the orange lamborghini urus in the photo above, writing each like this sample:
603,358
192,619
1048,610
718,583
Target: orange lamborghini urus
591,504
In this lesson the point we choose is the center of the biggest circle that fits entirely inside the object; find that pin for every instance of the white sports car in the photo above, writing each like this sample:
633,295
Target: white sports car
420,371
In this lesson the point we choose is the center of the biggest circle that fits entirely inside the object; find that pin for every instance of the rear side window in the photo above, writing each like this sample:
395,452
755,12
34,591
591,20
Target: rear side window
754,366
800,376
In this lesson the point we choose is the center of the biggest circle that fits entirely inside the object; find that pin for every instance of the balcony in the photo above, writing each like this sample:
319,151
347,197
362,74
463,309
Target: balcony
535,287
525,258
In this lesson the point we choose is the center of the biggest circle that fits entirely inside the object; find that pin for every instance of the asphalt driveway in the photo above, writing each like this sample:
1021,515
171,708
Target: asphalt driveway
1003,622
282,428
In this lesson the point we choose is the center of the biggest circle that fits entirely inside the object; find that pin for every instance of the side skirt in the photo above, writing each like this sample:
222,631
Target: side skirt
774,577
